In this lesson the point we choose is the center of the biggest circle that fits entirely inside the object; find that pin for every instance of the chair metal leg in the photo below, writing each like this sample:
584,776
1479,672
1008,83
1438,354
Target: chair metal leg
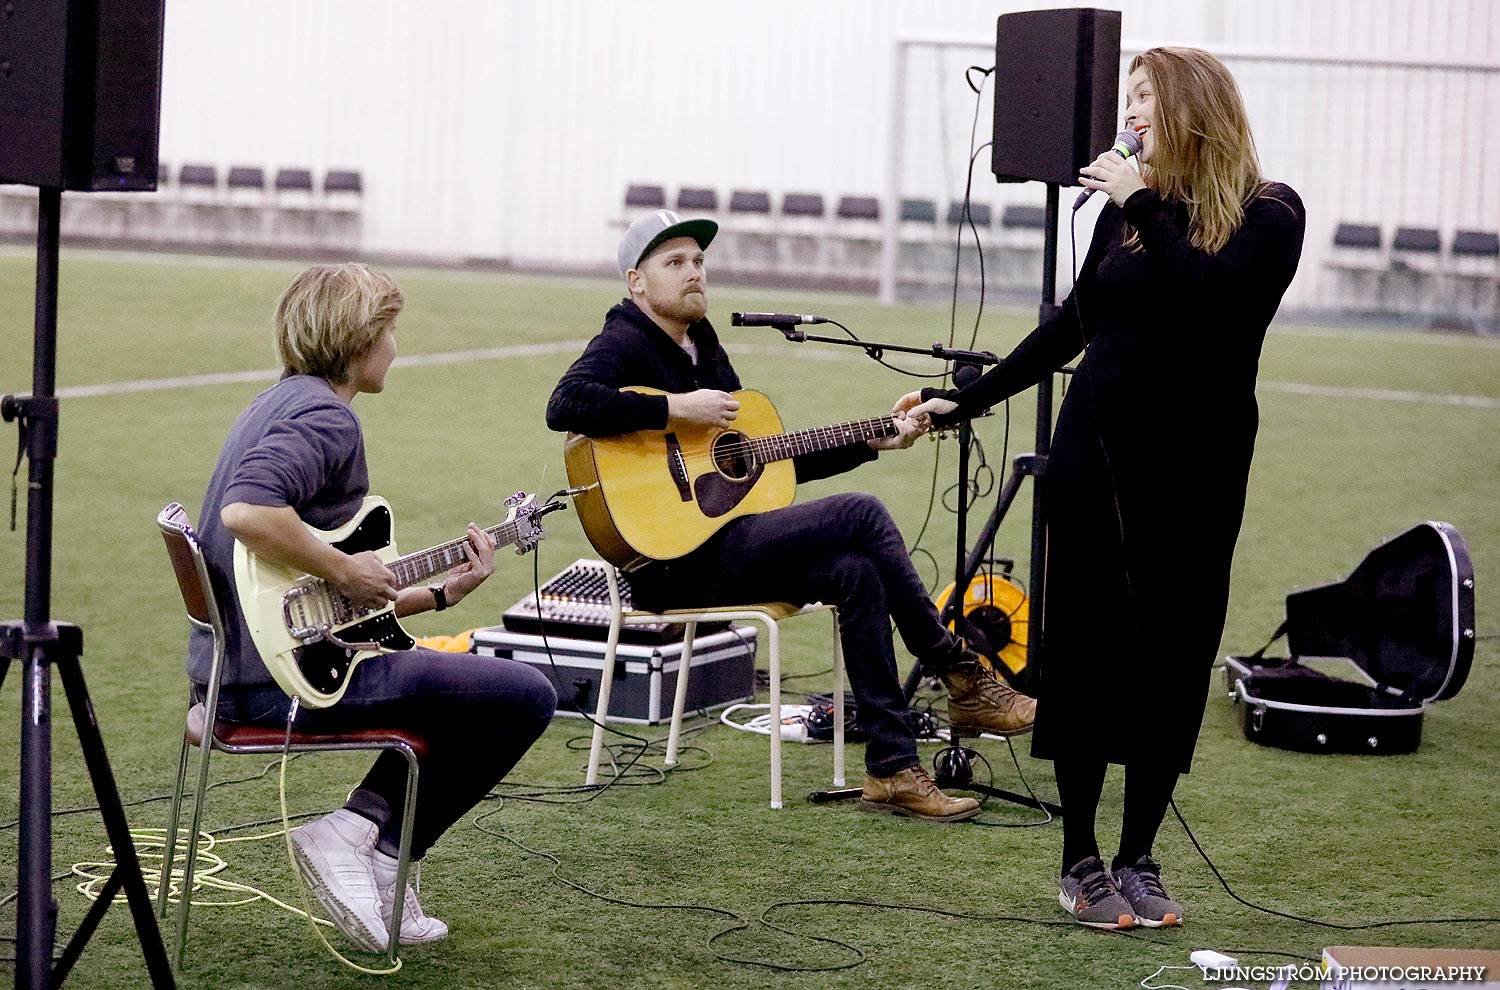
190,857
403,853
838,703
773,639
170,848
606,677
679,698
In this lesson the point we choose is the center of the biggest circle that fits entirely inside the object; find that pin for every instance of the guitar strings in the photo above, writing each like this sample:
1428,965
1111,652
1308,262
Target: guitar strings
748,445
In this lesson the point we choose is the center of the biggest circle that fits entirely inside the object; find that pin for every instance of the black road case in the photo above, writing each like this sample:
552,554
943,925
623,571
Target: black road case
1404,622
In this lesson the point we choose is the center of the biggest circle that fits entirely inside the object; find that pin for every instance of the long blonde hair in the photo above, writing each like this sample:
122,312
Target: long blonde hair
1205,154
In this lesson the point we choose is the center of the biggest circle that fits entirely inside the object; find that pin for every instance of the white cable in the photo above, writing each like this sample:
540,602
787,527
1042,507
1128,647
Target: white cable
1164,986
762,723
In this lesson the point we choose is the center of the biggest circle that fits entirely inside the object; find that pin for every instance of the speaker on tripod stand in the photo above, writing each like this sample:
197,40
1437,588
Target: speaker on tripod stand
80,108
1045,131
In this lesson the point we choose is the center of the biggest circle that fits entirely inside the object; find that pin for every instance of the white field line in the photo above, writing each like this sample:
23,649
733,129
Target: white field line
760,350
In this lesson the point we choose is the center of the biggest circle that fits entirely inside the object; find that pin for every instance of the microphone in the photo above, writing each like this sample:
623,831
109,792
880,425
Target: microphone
772,319
1127,145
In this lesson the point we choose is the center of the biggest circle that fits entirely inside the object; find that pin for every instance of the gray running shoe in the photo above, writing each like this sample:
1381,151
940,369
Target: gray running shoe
1090,894
1152,906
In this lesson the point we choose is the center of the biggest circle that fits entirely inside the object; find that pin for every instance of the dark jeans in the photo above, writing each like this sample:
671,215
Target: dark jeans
845,551
479,715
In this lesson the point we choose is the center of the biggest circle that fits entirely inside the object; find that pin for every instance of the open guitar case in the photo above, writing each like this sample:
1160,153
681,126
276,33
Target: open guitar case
1403,620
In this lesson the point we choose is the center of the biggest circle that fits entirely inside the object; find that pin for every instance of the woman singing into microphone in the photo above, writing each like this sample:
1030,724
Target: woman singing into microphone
1145,486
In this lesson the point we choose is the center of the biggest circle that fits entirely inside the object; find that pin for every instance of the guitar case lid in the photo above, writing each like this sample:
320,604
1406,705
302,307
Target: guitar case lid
1405,615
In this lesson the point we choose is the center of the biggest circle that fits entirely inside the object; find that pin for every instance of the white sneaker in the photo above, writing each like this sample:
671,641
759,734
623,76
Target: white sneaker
416,926
336,856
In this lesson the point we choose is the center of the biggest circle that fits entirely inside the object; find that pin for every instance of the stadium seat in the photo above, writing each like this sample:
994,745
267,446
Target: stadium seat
802,235
294,220
696,200
1474,277
751,246
247,214
343,202
857,233
1416,254
1359,267
1019,244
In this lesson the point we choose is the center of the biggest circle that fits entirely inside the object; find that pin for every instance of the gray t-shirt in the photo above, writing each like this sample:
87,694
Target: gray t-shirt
296,444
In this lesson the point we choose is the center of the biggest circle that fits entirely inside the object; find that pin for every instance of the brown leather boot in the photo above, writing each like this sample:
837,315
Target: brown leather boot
979,702
913,792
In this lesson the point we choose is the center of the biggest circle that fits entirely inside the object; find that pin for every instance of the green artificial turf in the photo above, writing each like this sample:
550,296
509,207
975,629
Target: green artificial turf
1347,839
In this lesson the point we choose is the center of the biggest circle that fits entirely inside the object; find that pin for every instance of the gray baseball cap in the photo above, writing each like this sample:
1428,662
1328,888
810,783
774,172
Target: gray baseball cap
643,236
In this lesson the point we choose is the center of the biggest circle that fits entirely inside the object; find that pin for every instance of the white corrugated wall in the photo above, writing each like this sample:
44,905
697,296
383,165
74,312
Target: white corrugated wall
508,130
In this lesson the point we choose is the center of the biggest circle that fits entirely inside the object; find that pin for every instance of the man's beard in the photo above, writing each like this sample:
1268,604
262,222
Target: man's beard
689,307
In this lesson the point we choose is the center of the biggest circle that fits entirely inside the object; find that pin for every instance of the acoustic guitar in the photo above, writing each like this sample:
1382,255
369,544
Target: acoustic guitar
311,636
659,494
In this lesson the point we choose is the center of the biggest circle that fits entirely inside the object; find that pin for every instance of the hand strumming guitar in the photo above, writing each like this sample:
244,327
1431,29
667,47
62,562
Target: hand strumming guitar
705,407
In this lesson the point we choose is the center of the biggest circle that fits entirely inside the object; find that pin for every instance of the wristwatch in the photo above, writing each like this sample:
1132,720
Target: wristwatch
439,597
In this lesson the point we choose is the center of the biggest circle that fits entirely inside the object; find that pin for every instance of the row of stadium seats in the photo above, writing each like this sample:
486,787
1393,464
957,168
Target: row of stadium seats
809,236
1416,272
242,207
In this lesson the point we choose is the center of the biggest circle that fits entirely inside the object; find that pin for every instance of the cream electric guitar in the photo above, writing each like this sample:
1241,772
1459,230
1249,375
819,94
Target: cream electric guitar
311,636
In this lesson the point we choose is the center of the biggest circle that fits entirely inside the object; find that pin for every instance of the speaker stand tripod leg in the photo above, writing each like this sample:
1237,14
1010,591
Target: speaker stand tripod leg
127,872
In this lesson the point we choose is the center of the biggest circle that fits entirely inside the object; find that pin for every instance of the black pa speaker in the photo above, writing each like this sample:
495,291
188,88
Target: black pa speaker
80,93
1056,92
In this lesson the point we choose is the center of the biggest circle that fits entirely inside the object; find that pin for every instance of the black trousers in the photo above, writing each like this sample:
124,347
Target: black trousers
845,551
478,714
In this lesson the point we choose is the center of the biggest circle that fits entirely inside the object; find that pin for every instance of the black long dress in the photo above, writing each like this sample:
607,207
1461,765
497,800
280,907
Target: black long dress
1145,487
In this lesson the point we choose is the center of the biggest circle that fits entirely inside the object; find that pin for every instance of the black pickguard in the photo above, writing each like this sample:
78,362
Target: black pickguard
735,472
326,666
717,494
372,533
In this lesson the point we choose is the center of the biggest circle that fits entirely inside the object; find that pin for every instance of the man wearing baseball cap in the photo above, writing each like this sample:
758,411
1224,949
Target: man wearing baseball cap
843,550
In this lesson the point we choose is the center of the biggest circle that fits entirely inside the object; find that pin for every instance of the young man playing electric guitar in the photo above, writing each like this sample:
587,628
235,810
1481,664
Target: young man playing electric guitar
295,459
843,550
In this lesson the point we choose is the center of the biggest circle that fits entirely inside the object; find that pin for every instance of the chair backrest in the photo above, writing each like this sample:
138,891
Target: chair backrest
343,181
1017,215
198,175
696,198
1476,243
979,213
247,177
1357,235
859,208
294,178
646,196
1423,240
749,201
190,568
802,205
919,210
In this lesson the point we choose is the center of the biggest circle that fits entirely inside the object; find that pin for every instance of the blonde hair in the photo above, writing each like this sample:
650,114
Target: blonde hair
1205,154
332,314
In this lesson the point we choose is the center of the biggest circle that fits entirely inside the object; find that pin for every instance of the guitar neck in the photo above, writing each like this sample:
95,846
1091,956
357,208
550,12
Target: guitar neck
784,445
415,568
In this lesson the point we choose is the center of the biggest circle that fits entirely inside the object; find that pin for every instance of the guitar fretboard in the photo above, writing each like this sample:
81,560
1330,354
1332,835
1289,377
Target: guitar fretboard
415,568
784,445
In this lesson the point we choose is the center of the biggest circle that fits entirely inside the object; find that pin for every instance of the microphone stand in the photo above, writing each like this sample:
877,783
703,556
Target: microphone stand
954,763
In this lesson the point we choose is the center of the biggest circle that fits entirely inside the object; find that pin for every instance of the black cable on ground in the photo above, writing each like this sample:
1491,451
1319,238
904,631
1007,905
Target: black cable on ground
1315,921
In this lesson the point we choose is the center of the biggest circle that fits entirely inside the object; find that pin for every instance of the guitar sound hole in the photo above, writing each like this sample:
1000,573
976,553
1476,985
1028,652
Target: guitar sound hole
732,457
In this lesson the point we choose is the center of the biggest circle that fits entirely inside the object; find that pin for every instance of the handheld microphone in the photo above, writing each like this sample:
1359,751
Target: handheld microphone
772,319
1127,145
